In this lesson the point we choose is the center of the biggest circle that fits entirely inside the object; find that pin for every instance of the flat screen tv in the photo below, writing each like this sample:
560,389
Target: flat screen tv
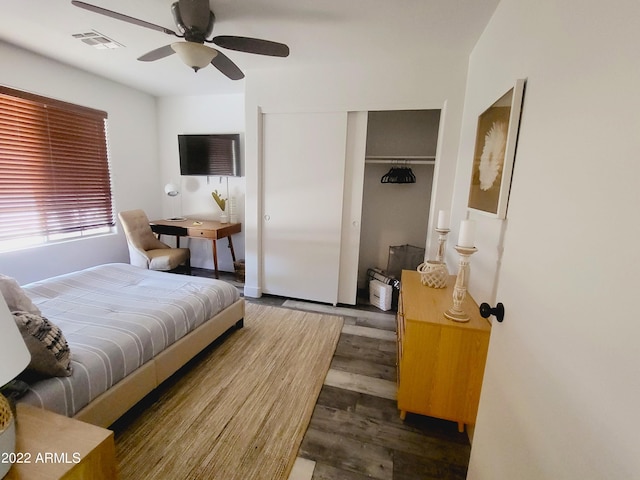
210,154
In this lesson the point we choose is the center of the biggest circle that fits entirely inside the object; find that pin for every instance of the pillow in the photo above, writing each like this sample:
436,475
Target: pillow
15,297
50,355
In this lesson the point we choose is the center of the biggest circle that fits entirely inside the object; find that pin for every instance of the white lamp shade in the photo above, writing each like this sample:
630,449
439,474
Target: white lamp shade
171,189
14,355
194,54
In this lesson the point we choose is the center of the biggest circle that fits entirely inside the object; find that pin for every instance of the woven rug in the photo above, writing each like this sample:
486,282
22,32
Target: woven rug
241,410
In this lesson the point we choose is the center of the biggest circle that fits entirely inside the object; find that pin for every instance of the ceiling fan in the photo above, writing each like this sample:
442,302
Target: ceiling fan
194,21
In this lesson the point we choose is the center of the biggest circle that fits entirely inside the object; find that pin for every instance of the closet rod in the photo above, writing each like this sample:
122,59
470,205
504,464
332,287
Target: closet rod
399,162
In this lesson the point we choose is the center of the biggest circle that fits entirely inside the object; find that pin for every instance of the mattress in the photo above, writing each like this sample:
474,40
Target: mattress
116,317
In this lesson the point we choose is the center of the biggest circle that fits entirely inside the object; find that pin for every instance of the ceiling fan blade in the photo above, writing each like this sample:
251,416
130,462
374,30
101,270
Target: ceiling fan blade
252,45
227,67
124,18
157,54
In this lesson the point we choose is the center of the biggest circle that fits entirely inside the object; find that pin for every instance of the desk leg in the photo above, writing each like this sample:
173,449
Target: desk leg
215,257
233,254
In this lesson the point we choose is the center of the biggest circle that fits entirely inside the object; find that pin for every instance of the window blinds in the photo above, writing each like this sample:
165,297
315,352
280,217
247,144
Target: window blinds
54,169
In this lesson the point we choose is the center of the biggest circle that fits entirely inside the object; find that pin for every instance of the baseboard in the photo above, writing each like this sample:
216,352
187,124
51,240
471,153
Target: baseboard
252,292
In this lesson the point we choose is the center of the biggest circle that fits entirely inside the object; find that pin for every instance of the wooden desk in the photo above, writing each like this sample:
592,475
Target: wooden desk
194,228
52,446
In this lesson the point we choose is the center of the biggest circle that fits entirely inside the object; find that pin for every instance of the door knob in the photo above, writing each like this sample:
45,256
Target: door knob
486,311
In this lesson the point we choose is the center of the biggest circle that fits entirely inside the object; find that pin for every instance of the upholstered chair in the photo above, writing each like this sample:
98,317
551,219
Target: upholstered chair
145,250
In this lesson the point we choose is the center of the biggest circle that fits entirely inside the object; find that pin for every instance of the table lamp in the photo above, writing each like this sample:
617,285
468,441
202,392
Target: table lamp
14,358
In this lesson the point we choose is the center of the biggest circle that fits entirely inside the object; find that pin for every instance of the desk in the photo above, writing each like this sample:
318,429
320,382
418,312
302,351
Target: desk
195,228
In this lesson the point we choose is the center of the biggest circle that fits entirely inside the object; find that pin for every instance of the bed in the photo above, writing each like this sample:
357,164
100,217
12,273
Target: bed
128,330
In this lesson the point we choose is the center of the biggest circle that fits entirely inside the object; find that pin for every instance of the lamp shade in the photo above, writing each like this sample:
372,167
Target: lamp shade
194,54
14,356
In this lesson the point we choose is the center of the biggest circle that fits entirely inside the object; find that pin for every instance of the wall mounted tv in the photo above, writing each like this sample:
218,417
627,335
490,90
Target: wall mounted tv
210,154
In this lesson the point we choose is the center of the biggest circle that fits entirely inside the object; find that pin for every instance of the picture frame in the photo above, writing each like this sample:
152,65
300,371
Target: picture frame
494,153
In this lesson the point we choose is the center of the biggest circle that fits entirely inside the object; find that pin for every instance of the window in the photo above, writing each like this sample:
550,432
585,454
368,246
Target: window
54,170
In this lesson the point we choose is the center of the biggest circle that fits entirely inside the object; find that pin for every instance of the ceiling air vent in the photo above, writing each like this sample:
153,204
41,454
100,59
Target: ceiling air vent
97,40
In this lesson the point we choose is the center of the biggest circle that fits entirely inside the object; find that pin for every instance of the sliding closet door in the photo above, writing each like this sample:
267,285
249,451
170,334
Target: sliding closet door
352,209
303,172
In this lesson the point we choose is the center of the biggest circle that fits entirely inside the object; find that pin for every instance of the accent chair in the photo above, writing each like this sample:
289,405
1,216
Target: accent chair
147,251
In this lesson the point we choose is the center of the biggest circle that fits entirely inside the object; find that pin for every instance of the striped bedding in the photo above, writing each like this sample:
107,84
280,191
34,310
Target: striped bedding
115,318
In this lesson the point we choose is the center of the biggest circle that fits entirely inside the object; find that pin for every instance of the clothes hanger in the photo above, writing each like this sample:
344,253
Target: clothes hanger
402,174
388,177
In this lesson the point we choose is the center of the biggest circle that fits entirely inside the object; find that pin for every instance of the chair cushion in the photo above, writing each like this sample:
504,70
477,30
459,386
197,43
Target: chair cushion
137,229
167,258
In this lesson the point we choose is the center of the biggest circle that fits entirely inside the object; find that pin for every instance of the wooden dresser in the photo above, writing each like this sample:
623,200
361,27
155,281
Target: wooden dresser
440,362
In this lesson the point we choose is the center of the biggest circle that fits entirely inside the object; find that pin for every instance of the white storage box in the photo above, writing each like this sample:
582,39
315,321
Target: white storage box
380,295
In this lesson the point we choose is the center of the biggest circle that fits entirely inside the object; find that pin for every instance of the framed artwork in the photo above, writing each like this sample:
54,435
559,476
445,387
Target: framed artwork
494,153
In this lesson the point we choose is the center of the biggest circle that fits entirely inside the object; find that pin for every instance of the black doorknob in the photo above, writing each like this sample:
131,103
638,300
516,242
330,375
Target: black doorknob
498,311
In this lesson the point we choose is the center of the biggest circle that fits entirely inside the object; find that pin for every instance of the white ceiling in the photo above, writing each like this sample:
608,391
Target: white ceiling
317,32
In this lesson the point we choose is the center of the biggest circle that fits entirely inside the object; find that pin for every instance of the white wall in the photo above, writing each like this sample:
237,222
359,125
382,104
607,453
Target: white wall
438,84
196,115
561,392
132,154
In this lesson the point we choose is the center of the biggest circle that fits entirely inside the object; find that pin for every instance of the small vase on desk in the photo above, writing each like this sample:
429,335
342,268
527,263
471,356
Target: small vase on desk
224,218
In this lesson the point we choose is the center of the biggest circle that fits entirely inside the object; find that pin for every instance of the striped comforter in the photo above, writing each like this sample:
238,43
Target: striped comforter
115,318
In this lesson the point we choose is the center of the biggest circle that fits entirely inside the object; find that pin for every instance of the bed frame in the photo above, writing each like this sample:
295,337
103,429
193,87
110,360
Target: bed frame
115,402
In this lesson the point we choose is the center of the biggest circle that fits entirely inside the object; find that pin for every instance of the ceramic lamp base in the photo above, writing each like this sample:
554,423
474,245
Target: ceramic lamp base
7,435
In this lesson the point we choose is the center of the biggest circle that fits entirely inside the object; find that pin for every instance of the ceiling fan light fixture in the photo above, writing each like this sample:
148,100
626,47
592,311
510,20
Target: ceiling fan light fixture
194,55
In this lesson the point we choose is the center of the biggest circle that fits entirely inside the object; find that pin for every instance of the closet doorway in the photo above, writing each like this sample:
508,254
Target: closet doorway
398,180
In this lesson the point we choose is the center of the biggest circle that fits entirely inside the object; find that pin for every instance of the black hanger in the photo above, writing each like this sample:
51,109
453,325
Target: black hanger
399,175
389,176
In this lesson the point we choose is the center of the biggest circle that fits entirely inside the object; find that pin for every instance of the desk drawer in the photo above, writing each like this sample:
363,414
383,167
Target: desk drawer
197,232
169,230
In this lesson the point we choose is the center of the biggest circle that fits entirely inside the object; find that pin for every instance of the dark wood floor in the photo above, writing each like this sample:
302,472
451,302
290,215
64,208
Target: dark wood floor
356,436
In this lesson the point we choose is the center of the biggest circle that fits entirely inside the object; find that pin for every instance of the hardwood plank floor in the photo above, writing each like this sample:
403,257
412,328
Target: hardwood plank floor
354,435
419,448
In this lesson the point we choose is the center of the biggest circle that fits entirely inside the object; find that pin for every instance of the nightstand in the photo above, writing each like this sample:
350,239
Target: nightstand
52,446
440,362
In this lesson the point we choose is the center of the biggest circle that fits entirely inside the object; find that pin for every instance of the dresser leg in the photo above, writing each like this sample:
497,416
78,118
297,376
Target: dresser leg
461,427
403,414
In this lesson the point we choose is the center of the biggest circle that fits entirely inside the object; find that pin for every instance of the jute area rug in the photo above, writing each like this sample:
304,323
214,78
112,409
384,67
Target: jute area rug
241,410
